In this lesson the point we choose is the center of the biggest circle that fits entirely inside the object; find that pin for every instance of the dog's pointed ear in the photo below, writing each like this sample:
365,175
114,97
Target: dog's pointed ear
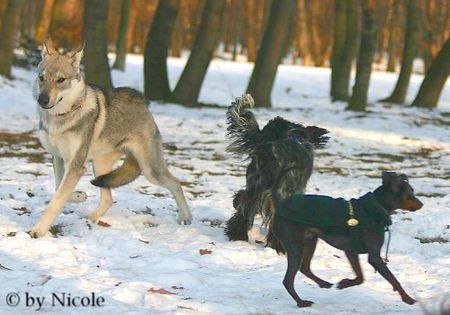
48,48
387,176
393,180
77,55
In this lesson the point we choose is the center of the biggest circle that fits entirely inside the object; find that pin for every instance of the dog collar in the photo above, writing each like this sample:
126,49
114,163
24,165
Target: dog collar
74,108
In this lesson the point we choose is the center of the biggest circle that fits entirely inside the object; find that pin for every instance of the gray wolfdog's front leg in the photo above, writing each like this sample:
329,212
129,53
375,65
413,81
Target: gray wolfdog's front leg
58,169
63,193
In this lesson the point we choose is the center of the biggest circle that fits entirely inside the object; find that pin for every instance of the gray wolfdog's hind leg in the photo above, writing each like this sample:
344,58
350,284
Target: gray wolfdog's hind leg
149,155
103,165
58,169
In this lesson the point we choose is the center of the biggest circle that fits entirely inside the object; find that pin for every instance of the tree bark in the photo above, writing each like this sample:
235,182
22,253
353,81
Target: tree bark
303,34
43,22
345,48
409,53
271,51
394,38
156,81
371,12
188,87
8,36
95,51
66,24
252,30
121,46
434,80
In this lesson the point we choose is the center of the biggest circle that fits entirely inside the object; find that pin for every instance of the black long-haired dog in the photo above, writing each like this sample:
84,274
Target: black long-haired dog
281,152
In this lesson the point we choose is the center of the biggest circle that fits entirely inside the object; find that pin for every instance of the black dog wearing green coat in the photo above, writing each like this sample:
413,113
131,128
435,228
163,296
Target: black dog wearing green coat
355,226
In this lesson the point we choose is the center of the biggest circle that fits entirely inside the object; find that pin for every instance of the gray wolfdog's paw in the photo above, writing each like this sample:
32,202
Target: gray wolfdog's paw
185,219
185,222
78,196
36,232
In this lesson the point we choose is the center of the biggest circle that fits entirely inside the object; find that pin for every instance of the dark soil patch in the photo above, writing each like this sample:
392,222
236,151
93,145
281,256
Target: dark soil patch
13,144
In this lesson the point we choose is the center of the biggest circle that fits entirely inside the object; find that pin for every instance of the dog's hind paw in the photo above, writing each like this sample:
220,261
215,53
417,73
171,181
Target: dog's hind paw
304,303
78,196
346,283
325,285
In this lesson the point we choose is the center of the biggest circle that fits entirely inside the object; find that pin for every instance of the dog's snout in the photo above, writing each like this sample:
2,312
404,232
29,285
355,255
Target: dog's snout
43,100
412,204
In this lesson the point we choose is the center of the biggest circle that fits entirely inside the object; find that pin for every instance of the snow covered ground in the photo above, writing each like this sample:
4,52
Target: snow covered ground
144,262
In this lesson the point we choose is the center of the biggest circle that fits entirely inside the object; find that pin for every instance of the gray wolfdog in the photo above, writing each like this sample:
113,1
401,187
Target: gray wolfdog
80,122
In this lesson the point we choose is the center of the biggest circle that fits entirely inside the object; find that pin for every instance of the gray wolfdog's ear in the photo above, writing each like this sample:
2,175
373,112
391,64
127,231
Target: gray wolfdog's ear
76,55
48,48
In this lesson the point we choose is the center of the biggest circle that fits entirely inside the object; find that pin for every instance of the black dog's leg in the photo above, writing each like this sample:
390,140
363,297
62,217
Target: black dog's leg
373,243
291,238
308,252
294,261
354,262
237,226
379,265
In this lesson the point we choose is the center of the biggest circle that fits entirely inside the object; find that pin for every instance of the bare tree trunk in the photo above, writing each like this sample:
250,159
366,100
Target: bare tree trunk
67,23
434,80
371,13
156,81
188,87
43,22
131,27
237,7
96,52
252,30
121,45
303,34
8,36
271,51
394,38
409,53
345,48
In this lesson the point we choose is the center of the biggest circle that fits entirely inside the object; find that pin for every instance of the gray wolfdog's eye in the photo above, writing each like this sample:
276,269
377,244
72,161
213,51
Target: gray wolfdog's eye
41,77
60,80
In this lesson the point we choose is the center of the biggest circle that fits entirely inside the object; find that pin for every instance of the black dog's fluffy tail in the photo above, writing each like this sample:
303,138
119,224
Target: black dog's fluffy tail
316,136
243,129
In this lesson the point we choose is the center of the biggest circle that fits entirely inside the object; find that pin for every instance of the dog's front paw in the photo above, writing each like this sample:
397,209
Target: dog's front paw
36,232
185,222
304,303
408,300
185,219
325,284
78,196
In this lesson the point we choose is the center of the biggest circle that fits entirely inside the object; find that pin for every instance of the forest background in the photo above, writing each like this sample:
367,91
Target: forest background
402,36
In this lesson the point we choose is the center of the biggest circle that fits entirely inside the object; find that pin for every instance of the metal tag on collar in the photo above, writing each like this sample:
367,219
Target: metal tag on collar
352,221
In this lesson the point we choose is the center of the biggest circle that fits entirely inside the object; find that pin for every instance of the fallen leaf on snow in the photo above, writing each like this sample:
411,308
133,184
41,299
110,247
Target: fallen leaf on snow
160,291
205,251
104,224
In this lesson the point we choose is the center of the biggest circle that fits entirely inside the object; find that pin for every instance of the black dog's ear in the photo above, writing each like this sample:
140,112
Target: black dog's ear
388,176
394,180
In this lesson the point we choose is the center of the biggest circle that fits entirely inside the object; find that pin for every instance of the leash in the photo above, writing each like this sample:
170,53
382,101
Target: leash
386,260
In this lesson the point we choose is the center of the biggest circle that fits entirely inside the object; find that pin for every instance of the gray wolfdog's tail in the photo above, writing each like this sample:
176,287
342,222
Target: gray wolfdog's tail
123,175
243,129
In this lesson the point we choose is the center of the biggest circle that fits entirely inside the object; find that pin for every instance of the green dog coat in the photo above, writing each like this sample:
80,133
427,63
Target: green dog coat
325,211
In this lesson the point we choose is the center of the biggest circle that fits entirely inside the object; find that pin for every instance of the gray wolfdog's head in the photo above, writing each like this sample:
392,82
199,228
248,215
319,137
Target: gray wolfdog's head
59,82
